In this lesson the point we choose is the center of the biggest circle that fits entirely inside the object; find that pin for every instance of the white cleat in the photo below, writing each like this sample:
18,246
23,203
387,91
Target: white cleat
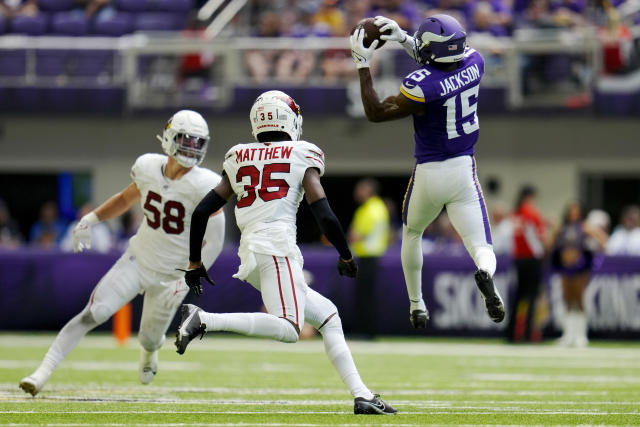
148,366
33,383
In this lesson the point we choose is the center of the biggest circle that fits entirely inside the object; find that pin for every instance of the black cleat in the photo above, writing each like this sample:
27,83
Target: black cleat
374,406
495,306
190,327
419,318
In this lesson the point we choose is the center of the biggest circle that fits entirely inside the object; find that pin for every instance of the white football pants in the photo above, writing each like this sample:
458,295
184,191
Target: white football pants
126,279
453,184
289,301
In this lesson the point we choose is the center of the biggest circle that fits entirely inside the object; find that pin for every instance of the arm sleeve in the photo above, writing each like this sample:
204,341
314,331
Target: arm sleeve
213,240
211,203
330,226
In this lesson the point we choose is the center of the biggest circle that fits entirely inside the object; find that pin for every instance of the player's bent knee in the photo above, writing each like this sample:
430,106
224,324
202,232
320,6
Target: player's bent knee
332,322
289,333
100,313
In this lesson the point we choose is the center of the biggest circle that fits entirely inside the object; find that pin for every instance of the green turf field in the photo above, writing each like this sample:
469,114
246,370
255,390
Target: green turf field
224,381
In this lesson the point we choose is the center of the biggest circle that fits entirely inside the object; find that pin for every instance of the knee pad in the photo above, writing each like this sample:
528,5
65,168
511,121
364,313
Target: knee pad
100,313
485,259
288,332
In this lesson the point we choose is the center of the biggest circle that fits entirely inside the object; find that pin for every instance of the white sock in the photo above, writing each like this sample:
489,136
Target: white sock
262,325
580,338
340,357
66,340
411,255
148,358
417,305
485,259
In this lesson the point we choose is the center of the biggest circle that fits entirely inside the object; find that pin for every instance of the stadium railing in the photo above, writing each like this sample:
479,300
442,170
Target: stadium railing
153,70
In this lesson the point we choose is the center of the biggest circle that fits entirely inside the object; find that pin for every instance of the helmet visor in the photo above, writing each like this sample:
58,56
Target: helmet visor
190,145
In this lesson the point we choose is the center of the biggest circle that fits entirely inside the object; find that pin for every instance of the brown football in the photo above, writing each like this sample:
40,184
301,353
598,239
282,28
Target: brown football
371,32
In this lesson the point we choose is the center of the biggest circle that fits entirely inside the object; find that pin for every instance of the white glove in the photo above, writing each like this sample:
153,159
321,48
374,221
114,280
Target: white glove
397,33
361,55
82,232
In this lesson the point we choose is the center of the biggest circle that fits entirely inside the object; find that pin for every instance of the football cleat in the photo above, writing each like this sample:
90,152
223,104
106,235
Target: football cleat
492,299
373,406
190,327
148,366
33,383
419,318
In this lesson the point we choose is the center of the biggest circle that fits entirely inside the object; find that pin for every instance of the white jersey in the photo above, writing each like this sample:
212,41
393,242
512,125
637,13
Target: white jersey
162,241
267,179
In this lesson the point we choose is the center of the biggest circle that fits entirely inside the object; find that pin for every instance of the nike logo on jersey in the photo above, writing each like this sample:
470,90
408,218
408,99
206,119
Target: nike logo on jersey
463,78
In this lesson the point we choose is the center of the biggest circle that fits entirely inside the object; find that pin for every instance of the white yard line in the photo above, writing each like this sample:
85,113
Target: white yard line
221,344
533,378
453,411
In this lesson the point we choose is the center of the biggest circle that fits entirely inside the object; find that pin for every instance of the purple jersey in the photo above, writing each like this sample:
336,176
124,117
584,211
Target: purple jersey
449,127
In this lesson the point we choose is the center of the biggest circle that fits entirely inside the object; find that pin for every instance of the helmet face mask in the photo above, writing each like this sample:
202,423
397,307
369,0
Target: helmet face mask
275,111
186,138
440,38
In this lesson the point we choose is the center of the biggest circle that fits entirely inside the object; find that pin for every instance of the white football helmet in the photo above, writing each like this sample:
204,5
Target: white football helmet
276,111
186,137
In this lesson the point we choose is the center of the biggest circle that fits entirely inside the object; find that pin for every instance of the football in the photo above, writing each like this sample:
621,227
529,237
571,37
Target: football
372,32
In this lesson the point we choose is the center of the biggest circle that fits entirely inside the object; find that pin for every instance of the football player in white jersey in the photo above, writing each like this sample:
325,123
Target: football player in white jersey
270,177
168,189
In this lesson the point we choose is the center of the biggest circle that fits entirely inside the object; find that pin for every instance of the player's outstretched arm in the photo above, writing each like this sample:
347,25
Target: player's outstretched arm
119,203
392,108
327,221
115,206
212,202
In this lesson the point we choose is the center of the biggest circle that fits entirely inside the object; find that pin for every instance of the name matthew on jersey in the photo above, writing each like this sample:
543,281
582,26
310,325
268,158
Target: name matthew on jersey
462,78
263,153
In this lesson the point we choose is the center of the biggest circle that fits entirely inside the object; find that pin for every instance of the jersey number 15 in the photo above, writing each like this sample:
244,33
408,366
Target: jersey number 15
467,109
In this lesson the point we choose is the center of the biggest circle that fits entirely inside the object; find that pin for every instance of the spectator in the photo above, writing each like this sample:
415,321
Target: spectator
625,239
485,21
11,8
9,232
260,62
49,229
617,43
369,236
331,17
101,237
573,257
405,13
529,242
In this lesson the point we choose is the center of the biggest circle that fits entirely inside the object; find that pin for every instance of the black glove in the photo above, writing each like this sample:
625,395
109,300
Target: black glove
192,277
347,268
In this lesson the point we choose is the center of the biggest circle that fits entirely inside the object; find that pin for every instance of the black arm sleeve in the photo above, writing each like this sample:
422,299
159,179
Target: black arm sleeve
208,205
330,226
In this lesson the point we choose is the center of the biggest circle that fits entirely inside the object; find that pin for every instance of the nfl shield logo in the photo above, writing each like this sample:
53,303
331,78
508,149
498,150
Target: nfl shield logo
453,47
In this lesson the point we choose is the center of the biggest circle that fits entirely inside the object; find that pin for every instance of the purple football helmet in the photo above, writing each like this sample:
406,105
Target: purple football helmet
440,38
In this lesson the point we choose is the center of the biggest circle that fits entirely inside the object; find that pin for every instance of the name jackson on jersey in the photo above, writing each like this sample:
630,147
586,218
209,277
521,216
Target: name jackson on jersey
463,78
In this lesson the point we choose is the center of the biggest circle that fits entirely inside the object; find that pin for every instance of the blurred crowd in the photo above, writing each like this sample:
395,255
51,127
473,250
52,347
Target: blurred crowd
50,231
482,18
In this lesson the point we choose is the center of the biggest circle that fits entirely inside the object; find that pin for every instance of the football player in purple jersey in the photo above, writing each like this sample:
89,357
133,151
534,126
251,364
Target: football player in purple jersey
442,98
